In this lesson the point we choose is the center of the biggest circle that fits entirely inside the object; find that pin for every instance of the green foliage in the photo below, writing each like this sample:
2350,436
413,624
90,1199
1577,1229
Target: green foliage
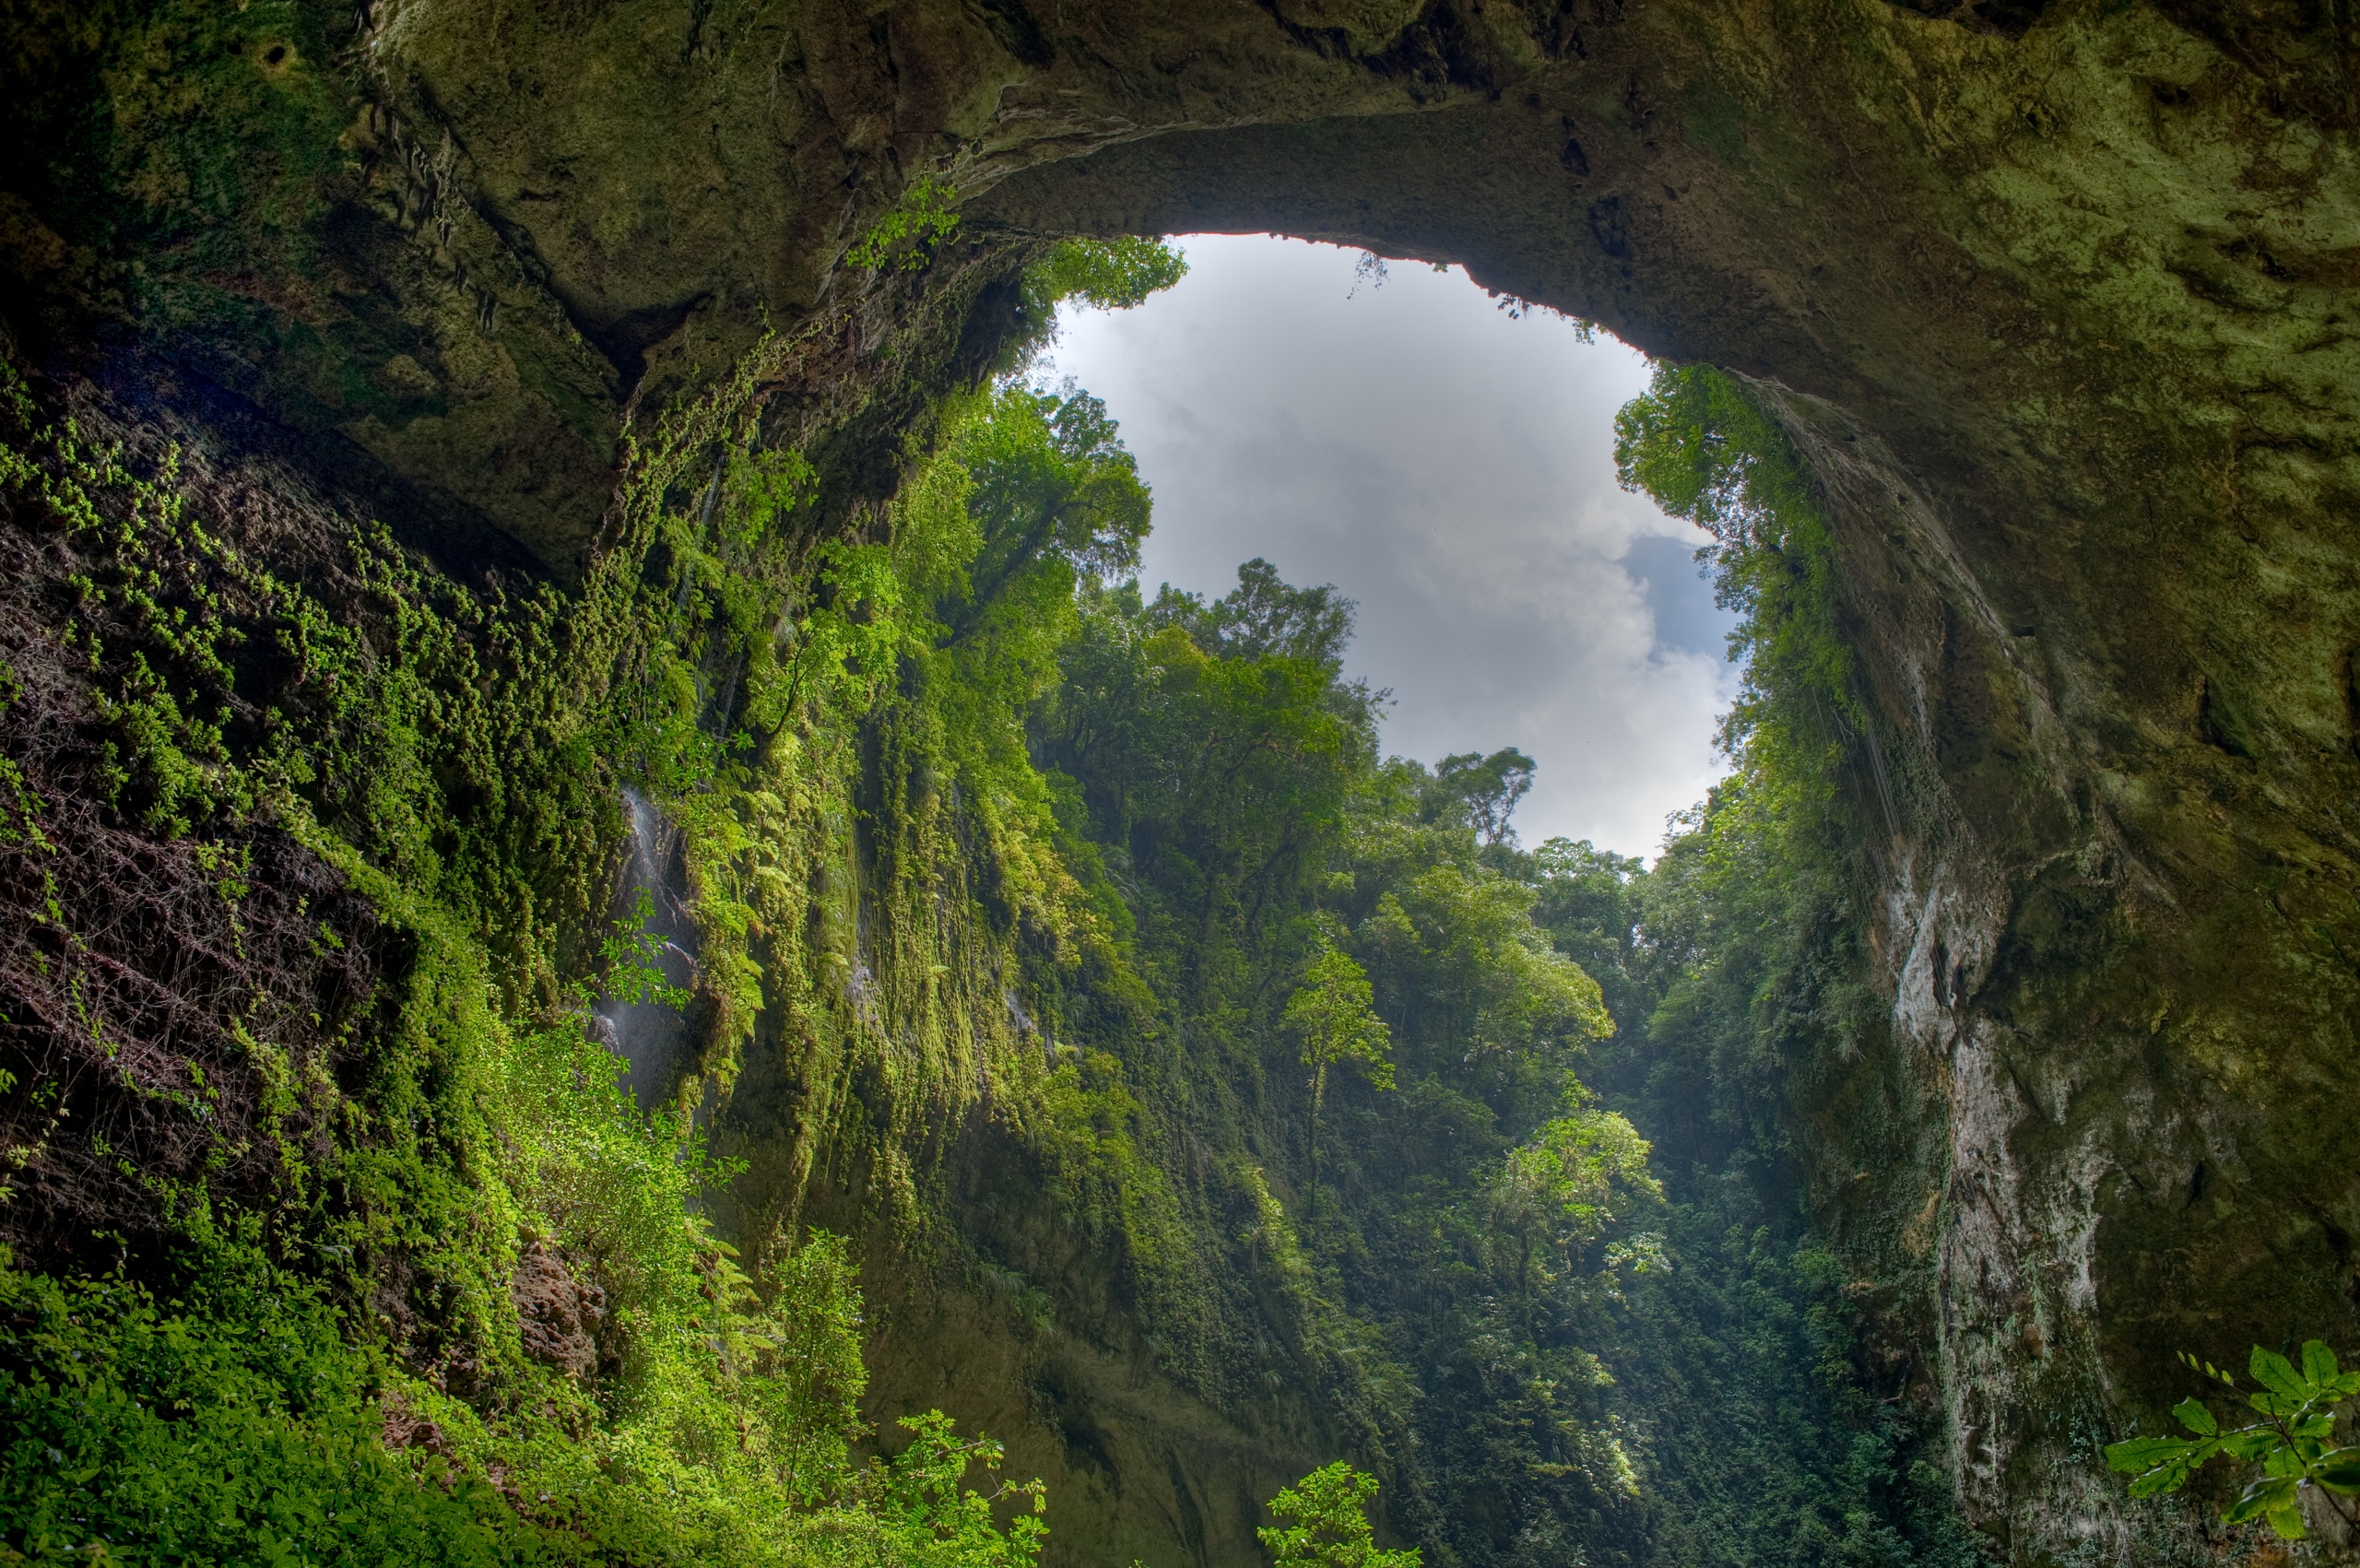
338,1363
1706,449
1461,963
1736,967
240,1426
1497,1233
764,489
1328,1525
1208,782
632,974
1056,501
2295,1442
1111,275
964,817
1588,901
933,1521
1274,867
1332,1012
1570,1174
1773,1436
238,1429
906,238
1485,788
1263,617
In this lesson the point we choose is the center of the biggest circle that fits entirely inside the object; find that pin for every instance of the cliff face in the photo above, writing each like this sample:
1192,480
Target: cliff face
2060,302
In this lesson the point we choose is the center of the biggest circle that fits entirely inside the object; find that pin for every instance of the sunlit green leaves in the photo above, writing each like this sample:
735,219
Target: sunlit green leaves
2319,1369
633,961
1575,1174
932,1520
1330,1012
1110,273
1707,448
2277,1496
2338,1469
2207,1369
763,488
1054,499
906,238
1326,1526
2299,1405
1455,951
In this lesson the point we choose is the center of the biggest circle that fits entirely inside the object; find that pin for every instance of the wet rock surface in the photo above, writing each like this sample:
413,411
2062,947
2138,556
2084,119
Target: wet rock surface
561,1315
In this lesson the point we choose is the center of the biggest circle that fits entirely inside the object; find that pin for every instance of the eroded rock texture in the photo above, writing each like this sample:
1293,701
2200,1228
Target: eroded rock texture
2060,300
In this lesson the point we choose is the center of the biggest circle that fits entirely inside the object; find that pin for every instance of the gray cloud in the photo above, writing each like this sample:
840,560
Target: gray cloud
1451,469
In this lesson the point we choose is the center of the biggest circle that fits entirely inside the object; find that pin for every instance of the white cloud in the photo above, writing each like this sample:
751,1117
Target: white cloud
1451,469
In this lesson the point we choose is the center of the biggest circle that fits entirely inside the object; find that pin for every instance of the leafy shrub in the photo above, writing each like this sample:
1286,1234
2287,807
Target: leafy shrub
237,1427
2294,1442
906,236
1328,1526
932,1520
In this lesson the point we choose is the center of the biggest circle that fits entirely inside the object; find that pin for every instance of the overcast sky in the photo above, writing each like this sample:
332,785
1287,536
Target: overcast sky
1452,469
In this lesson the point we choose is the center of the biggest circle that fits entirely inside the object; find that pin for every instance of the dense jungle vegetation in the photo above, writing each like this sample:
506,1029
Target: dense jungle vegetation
1483,1147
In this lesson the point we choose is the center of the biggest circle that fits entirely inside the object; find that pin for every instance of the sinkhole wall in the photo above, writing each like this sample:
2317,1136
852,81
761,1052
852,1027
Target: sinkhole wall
2057,300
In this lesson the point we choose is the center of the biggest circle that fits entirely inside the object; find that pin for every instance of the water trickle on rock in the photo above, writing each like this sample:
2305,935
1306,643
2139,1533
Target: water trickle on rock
653,1038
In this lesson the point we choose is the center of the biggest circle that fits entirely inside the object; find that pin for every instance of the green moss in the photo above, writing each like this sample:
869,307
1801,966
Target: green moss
452,755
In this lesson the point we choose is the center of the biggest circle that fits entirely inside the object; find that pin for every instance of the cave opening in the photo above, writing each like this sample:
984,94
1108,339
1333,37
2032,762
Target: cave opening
1444,456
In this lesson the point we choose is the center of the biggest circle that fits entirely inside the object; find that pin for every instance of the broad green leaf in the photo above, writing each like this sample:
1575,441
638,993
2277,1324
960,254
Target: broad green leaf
2275,1406
2141,1453
2283,1463
2196,1417
2288,1523
2258,1499
2338,1469
2173,1462
2277,1374
2249,1442
2318,1363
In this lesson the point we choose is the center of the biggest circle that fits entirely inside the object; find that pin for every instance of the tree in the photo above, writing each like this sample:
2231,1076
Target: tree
1486,788
1334,1011
1263,617
1051,483
1111,274
1329,1528
1573,1179
1572,1174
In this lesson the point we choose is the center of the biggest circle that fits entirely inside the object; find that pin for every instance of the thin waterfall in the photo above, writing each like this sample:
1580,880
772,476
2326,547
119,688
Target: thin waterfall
652,1038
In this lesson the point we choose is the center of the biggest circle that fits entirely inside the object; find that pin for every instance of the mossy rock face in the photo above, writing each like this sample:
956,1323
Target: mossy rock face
2060,305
